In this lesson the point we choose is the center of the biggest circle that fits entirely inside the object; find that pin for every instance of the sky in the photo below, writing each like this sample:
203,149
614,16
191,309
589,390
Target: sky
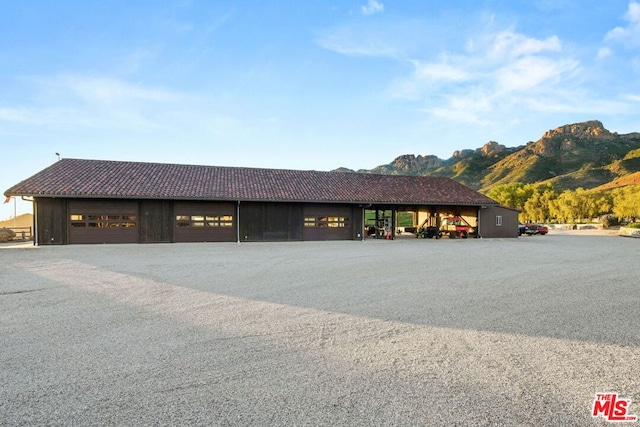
304,84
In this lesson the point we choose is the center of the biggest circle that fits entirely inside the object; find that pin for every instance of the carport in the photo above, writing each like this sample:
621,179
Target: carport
390,221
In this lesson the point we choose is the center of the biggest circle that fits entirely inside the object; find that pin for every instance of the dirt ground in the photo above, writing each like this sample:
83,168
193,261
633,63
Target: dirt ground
409,332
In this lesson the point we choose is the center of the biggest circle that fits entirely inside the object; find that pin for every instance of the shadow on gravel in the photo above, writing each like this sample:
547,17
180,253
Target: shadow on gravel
568,287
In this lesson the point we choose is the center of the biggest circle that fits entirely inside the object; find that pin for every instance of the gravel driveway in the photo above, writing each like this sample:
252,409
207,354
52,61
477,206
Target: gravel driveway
408,332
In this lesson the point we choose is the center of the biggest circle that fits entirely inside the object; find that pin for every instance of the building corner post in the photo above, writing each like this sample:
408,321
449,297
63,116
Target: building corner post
238,222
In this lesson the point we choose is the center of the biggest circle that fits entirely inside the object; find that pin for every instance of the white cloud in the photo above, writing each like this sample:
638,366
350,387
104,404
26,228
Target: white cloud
356,45
503,62
603,53
442,71
367,39
508,44
470,108
494,76
429,77
533,72
372,7
62,117
629,34
385,38
18,115
106,89
78,101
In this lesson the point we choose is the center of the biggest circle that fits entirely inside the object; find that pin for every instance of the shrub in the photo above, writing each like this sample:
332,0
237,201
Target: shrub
633,225
6,234
609,220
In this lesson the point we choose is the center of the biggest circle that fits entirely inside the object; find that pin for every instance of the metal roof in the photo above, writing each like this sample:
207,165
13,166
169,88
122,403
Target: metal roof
79,178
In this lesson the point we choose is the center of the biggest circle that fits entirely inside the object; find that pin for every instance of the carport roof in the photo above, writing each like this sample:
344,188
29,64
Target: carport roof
79,178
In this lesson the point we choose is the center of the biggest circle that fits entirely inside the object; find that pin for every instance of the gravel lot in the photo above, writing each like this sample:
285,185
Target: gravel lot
408,332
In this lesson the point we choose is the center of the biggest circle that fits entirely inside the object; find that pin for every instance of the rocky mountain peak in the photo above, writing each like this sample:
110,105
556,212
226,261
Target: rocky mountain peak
461,154
491,148
585,130
411,162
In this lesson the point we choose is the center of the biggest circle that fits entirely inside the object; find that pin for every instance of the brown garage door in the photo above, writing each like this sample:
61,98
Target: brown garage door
103,222
326,223
205,222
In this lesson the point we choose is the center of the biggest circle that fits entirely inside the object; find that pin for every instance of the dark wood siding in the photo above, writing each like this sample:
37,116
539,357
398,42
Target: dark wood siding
218,222
488,226
357,227
156,221
51,221
270,221
331,222
103,221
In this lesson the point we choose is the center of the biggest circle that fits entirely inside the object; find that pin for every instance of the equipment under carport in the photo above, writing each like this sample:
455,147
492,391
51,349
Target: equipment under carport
430,228
428,233
454,226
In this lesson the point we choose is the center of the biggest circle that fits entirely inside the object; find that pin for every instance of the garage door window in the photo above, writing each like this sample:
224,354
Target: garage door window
102,220
200,221
326,221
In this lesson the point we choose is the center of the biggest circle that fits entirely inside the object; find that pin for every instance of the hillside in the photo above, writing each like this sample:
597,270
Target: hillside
576,155
24,220
631,179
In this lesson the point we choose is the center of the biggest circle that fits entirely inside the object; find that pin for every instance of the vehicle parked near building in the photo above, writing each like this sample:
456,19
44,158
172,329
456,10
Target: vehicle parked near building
533,229
455,226
521,229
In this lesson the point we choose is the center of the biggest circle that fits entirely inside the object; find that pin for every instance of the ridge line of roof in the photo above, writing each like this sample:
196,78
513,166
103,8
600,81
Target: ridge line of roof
248,167
94,178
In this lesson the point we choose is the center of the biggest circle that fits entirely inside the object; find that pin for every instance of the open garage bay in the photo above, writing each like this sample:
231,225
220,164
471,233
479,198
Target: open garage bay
407,332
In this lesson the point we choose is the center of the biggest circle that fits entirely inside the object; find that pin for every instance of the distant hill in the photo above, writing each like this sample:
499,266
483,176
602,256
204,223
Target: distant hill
576,155
24,220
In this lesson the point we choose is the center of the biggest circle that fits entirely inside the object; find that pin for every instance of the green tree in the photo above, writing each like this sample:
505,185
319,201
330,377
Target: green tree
538,207
561,207
626,202
580,204
513,195
602,203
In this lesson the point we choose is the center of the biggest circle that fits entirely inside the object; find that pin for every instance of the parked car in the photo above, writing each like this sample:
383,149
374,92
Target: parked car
521,229
532,229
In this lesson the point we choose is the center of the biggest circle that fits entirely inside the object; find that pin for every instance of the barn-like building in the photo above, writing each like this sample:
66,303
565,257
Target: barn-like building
97,201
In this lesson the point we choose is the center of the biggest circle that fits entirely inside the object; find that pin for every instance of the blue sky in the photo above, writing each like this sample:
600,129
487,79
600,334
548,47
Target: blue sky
305,84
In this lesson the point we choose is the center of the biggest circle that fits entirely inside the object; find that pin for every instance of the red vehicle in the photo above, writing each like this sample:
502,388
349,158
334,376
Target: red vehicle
532,229
455,226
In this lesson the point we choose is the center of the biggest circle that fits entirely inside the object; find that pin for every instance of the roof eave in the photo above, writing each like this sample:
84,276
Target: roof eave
254,200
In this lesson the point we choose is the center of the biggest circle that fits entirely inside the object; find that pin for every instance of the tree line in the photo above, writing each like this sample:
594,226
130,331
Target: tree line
543,203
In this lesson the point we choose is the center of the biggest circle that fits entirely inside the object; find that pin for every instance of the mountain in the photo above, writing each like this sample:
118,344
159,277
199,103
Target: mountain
575,155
